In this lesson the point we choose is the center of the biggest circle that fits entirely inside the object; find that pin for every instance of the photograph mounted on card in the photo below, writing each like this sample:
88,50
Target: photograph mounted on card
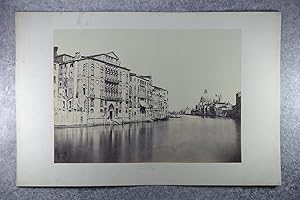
149,95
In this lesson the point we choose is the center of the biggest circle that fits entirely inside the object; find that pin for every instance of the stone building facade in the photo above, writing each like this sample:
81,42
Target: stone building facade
97,89
140,97
159,103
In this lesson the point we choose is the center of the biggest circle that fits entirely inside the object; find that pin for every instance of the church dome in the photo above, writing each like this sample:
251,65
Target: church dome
217,98
205,97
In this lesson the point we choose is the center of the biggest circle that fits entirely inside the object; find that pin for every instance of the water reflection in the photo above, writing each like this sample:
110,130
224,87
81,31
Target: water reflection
188,139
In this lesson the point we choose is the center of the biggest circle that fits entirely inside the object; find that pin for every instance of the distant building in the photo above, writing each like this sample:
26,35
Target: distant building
205,105
97,89
212,106
238,105
223,109
186,111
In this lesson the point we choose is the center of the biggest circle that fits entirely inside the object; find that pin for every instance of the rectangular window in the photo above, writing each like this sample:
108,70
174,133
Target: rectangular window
54,79
101,103
92,102
92,71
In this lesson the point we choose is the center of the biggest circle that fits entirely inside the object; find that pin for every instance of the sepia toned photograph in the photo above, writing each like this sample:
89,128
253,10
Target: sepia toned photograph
147,95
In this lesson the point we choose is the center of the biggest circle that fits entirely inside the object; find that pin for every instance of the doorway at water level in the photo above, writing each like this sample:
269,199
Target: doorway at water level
111,111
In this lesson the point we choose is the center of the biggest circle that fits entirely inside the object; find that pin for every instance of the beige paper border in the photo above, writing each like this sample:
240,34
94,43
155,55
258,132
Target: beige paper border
260,102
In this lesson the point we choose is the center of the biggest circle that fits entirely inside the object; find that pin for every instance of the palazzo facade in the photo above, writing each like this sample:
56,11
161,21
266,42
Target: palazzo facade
97,89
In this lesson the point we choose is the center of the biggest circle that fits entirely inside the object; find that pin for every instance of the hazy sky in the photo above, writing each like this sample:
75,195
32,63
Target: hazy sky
185,62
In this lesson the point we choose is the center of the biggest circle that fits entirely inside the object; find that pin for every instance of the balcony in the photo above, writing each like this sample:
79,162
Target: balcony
113,98
112,79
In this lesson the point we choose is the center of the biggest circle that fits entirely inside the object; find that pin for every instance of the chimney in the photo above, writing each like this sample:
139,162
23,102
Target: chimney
55,49
77,55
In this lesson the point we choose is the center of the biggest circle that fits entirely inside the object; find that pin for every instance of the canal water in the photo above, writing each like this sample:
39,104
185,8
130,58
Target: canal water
186,139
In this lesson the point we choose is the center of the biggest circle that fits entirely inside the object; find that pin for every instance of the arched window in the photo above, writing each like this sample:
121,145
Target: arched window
92,70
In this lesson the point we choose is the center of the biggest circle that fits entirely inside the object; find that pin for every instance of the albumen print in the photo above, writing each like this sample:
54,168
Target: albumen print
140,96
